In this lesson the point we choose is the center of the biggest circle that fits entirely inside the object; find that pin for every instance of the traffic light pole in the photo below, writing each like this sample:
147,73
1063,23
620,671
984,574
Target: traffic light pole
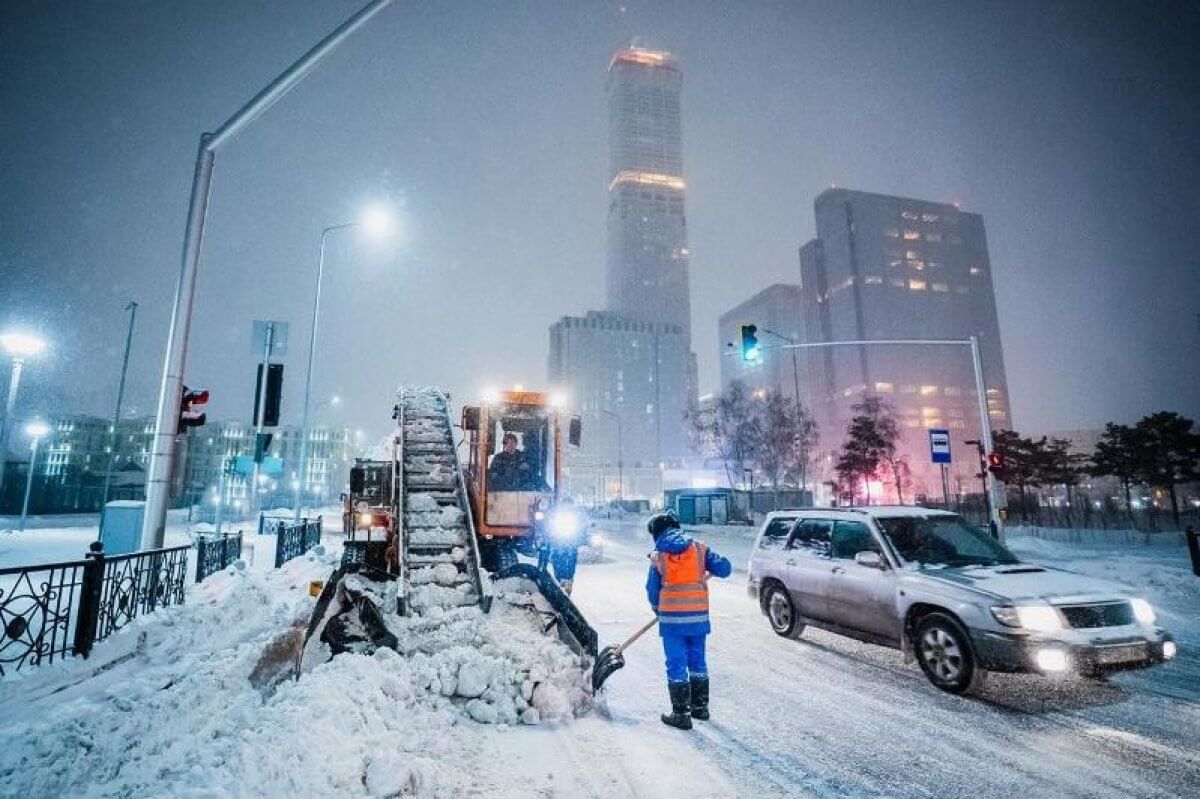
167,422
972,343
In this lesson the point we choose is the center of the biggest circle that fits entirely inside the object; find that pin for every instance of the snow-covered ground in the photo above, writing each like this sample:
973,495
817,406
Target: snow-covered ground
824,716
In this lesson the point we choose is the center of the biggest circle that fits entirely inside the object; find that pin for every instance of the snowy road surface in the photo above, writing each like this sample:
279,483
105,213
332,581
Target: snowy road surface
824,716
828,716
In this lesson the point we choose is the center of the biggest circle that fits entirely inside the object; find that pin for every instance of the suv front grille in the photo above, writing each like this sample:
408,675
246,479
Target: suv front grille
1108,614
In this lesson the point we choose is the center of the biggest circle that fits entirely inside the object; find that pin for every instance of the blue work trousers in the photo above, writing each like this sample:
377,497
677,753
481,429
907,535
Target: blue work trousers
685,654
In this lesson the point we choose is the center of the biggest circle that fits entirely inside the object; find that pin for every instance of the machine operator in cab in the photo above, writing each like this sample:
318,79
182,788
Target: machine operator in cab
510,470
677,588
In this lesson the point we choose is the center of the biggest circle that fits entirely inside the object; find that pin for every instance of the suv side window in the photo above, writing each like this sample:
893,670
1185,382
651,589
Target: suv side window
775,536
850,538
811,537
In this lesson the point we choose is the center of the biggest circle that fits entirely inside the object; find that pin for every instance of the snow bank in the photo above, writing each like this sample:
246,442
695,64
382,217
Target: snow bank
179,716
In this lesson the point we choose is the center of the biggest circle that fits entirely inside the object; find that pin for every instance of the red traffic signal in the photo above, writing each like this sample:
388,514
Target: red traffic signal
995,461
190,414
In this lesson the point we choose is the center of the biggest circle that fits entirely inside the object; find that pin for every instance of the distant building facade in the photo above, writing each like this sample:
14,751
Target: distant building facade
618,368
887,267
635,358
775,311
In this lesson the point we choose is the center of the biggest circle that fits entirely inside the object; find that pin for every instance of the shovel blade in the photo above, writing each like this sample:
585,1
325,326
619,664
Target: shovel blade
608,661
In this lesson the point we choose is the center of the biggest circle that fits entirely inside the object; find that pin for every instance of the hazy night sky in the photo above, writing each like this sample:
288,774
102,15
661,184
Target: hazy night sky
1072,127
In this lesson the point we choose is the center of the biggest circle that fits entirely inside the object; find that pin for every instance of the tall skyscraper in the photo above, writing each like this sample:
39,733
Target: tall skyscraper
647,228
897,268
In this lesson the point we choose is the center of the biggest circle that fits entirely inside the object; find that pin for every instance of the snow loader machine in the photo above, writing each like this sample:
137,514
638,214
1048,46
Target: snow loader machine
423,510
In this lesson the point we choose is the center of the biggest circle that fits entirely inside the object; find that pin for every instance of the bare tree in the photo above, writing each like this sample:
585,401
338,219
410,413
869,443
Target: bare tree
729,429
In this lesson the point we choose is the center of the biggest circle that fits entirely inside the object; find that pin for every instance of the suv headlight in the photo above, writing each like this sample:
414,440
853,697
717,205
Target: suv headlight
1142,611
1039,618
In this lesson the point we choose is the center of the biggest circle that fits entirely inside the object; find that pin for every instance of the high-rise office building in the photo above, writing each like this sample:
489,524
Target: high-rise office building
634,360
896,268
647,227
616,369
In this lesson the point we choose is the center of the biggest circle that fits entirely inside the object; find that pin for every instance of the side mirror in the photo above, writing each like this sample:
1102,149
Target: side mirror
871,560
470,418
575,431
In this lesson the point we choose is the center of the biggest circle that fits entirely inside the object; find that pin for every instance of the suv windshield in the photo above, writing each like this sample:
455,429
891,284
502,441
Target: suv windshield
942,540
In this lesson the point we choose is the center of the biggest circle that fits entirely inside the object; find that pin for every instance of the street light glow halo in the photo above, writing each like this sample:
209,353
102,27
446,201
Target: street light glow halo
378,222
20,344
37,429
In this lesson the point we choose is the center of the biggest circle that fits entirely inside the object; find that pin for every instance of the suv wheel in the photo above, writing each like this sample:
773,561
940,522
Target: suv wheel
944,651
781,612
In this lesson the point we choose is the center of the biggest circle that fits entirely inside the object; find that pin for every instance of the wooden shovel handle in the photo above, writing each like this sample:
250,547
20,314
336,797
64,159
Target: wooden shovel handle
637,635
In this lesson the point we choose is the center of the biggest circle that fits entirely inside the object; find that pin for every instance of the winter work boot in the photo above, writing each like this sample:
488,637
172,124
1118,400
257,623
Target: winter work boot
681,704
699,684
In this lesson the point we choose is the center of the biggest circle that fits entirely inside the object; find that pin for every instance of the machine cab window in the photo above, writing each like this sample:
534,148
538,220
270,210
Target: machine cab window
520,468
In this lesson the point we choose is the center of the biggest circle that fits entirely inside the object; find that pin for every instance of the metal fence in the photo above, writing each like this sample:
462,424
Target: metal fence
214,553
296,538
51,610
1080,515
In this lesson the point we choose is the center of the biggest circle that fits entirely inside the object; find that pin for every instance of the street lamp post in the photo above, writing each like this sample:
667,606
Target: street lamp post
377,223
34,430
112,437
167,417
19,346
620,452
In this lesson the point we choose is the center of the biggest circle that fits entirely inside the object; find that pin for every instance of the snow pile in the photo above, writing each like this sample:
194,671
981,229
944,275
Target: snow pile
179,716
500,667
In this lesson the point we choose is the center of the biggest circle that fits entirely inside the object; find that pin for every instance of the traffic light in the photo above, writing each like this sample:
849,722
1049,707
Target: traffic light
190,414
750,352
995,462
262,445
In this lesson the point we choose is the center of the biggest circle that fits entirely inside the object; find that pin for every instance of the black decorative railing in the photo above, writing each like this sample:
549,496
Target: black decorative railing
51,610
214,554
36,618
140,583
296,538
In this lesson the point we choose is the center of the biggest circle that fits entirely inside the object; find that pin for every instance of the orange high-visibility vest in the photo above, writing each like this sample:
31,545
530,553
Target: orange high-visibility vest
684,593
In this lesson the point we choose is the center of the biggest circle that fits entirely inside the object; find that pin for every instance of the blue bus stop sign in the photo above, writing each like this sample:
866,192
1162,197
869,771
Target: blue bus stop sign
939,446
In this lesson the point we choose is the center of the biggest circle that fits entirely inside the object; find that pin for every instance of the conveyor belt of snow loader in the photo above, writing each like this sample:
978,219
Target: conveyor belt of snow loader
437,531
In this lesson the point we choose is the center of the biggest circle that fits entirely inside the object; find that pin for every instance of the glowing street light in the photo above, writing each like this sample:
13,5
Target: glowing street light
377,222
35,430
19,345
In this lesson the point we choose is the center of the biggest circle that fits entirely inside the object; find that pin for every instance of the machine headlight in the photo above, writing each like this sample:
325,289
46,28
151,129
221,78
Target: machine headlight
1142,611
1039,618
596,540
565,524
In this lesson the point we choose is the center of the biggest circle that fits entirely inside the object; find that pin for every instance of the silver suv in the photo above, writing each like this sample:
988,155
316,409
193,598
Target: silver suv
945,593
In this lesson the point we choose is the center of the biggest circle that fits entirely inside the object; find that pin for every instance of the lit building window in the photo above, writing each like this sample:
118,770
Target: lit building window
940,287
898,282
911,235
929,217
918,265
928,411
909,215
916,285
873,280
933,422
883,388
912,255
958,424
912,423
976,270
928,391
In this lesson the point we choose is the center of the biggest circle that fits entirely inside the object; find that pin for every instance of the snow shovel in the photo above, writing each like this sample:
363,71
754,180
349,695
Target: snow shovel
612,658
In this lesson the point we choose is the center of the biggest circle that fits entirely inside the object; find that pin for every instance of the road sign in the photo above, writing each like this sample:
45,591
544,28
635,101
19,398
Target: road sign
244,465
939,446
258,338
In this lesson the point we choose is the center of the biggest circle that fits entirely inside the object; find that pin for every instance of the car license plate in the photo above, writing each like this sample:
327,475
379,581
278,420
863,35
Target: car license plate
1121,654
